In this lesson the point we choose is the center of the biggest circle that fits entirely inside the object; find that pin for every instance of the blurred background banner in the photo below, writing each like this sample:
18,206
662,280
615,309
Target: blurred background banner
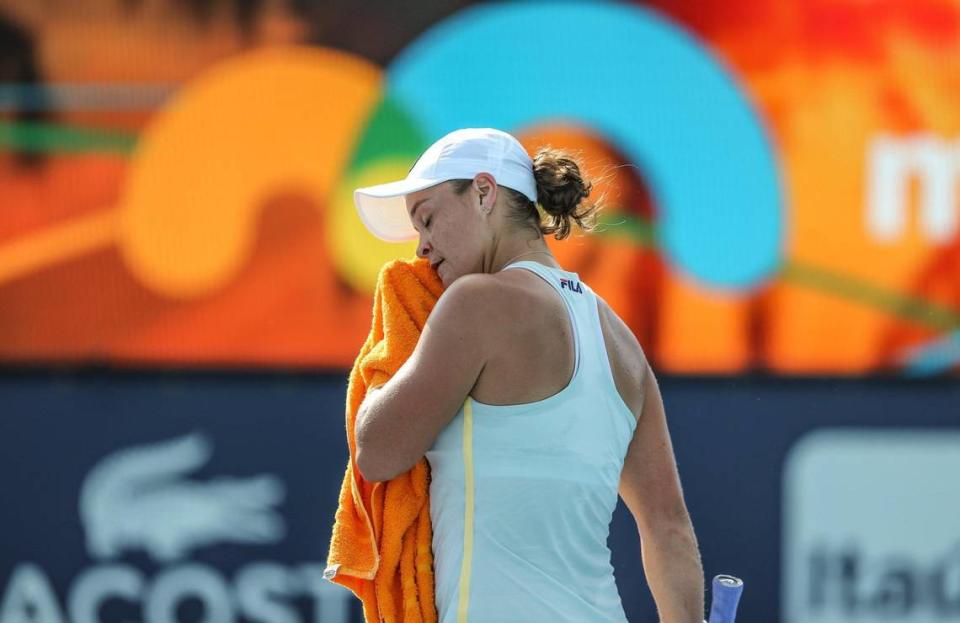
868,528
158,500
174,497
780,178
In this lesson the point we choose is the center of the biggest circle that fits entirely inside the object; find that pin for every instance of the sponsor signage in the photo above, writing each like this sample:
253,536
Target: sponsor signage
198,508
871,530
198,498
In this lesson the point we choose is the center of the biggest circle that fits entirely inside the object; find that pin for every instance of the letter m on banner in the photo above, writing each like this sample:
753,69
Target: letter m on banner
935,163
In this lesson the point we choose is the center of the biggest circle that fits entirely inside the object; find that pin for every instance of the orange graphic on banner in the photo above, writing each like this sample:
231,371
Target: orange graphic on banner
228,237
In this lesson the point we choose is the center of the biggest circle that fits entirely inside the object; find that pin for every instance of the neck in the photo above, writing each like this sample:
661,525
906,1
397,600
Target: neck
508,250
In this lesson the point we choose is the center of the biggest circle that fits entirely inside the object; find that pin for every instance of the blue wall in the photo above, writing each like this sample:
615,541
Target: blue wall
137,538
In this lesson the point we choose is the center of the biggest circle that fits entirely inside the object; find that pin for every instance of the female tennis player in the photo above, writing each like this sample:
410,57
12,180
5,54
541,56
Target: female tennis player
531,399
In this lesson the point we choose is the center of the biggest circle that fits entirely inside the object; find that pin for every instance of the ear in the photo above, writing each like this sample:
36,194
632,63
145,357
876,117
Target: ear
486,188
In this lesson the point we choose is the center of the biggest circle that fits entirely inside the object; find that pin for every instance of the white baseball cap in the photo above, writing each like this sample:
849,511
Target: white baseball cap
460,154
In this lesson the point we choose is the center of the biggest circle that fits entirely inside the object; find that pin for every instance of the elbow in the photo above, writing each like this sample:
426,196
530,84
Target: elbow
368,460
380,455
381,464
667,523
376,462
370,468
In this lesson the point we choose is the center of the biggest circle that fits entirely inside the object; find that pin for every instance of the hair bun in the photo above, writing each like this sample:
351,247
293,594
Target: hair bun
561,189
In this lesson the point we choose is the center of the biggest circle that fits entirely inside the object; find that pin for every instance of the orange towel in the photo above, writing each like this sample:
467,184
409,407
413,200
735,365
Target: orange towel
382,535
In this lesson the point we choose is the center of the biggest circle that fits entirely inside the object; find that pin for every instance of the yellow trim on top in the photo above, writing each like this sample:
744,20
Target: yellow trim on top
466,564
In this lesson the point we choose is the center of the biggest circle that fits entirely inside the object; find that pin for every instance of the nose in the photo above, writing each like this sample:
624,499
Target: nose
423,248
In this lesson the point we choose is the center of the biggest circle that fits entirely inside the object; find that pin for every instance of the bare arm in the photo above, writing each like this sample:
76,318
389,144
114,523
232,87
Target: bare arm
397,423
650,487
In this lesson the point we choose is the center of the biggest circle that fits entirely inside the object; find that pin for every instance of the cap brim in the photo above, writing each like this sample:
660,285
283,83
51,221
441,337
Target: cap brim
383,210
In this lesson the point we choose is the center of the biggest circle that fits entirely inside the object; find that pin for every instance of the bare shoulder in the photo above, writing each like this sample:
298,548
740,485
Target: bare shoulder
618,329
491,298
474,307
475,296
628,362
514,318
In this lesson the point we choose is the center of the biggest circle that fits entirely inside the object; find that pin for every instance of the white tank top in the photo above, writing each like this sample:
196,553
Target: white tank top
521,496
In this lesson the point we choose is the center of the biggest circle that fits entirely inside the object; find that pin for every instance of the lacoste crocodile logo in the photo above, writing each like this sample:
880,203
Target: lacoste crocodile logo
140,497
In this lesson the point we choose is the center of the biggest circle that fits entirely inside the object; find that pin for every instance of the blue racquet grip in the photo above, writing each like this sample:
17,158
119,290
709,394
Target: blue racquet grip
726,596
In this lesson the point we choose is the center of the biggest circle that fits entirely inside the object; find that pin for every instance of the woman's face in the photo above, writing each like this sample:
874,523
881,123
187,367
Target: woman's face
453,230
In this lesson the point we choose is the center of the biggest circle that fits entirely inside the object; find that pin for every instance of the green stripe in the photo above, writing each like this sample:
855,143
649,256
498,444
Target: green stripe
88,96
626,226
911,308
50,137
